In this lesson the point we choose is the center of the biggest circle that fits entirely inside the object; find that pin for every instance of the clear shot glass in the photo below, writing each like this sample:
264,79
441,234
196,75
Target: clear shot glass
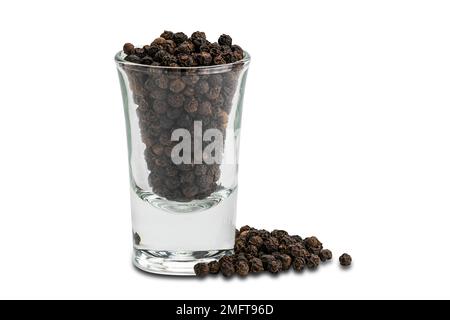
183,127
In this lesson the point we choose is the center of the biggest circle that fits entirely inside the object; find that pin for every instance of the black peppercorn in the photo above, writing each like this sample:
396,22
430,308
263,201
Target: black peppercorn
152,50
304,254
202,87
286,240
168,35
239,246
252,250
139,52
213,93
162,82
128,48
204,108
256,265
227,269
235,48
286,261
191,105
185,60
175,100
283,249
229,259
198,35
240,256
238,56
159,41
147,60
313,261
298,264
189,91
274,266
345,260
189,191
242,268
214,267
229,57
257,241
276,255
204,58
205,47
179,37
226,50
264,234
133,58
136,238
157,149
225,40
198,38
160,55
266,259
177,86
170,60
186,47
295,250
325,255
222,117
243,235
146,49
271,245
170,46
279,233
313,245
219,59
201,269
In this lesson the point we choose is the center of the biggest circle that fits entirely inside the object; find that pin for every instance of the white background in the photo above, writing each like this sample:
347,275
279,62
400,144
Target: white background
346,134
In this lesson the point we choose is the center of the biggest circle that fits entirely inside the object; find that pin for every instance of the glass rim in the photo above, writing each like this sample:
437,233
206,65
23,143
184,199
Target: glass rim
119,58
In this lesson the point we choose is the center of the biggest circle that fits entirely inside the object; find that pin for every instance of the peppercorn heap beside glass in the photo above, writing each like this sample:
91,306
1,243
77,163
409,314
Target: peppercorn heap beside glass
258,251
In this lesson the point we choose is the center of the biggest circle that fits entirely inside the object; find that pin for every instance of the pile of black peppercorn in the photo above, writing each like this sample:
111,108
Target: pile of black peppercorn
260,250
178,50
174,97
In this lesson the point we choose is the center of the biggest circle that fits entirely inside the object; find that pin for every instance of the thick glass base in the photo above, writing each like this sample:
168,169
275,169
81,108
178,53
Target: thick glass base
174,263
174,227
